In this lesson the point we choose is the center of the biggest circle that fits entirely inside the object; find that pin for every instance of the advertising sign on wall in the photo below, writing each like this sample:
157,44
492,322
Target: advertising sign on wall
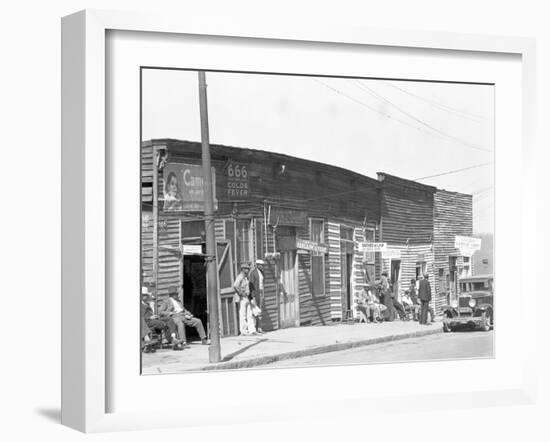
184,188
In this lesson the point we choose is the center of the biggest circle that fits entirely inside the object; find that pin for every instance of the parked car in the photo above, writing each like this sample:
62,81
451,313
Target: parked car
474,307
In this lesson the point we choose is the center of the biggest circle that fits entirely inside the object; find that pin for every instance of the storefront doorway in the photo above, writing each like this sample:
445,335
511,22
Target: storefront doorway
288,291
194,290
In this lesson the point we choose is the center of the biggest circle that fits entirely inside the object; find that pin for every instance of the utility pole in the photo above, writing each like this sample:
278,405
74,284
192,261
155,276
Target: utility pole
214,350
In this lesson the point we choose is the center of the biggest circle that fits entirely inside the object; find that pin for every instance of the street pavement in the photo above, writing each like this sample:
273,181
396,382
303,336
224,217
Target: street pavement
458,345
289,343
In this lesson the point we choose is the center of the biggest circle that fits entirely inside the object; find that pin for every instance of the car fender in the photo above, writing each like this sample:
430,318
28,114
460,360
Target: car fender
449,311
485,307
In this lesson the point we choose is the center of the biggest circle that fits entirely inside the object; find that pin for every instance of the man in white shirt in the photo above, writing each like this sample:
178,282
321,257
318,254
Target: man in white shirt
242,287
172,308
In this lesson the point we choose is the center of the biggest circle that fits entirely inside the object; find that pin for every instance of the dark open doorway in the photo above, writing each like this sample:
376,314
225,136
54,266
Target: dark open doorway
194,290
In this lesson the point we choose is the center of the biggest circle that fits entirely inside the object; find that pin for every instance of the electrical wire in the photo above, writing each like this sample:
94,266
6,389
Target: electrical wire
452,171
418,120
467,115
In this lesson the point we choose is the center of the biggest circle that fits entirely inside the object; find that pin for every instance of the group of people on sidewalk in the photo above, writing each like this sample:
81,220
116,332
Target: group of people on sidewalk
379,302
169,323
249,295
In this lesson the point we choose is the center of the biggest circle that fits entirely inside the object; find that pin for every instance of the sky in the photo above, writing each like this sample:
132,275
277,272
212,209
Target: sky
414,130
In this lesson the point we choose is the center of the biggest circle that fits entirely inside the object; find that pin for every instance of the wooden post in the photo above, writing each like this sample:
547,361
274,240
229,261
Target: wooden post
214,350
155,226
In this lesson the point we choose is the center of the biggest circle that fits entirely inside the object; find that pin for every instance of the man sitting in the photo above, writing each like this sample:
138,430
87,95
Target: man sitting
172,308
369,305
152,321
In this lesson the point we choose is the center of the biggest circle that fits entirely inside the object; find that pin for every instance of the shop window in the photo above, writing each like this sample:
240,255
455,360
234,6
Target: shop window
369,257
465,266
243,242
317,234
420,269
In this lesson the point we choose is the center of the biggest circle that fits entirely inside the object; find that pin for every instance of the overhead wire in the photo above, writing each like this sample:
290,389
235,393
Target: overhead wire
418,120
452,171
467,115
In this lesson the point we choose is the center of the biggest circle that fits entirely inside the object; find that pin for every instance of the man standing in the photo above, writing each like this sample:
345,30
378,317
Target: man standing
256,284
425,296
173,308
242,287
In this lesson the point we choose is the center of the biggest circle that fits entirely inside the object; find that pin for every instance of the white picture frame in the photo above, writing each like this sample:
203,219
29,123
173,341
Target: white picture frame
85,214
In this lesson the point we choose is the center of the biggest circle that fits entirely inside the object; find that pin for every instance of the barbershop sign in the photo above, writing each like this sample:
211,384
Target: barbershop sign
467,245
373,247
316,248
183,189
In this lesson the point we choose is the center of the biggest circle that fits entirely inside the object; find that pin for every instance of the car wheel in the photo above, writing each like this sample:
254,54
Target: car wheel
447,328
486,321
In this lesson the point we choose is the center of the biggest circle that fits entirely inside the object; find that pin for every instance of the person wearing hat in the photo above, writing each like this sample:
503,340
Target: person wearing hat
387,299
256,297
151,320
425,295
172,308
242,289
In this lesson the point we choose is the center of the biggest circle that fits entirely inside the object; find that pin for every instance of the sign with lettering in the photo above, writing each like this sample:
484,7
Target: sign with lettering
467,245
191,249
237,181
373,246
287,217
316,248
184,188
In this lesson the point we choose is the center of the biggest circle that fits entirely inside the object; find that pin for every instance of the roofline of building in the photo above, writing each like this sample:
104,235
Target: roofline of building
274,155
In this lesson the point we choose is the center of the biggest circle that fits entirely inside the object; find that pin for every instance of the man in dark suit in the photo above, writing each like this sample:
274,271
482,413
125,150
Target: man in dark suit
256,297
425,296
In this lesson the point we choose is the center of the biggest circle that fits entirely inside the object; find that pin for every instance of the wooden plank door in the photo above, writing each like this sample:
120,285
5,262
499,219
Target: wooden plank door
288,290
228,309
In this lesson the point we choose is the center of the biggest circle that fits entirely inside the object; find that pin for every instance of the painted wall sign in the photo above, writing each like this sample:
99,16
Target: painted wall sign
238,185
184,188
287,217
319,249
467,245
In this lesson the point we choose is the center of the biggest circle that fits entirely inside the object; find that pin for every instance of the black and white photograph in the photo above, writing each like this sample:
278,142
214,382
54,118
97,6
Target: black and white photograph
302,220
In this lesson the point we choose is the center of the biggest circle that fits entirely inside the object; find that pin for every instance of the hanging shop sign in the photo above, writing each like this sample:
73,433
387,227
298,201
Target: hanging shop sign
287,217
467,245
191,249
373,246
238,185
316,248
184,188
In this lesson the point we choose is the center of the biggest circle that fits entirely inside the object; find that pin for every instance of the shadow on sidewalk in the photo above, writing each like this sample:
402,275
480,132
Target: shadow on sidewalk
242,350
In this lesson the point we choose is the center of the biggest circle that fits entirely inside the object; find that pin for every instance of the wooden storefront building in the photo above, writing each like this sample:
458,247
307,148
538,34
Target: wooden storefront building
309,221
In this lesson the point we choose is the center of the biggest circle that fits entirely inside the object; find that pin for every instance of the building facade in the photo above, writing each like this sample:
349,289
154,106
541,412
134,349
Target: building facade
309,221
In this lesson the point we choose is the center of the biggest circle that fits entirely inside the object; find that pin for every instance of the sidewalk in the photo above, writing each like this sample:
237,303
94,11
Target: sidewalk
252,351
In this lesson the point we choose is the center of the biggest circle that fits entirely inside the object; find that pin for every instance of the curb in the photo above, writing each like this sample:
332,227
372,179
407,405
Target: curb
264,360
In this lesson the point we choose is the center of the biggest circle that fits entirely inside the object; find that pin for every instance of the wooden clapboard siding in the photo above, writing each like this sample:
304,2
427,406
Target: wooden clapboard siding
358,271
304,185
147,248
169,255
334,271
452,216
406,209
270,316
219,229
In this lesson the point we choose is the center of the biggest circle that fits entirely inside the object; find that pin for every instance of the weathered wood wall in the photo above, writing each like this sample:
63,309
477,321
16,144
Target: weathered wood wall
452,216
406,209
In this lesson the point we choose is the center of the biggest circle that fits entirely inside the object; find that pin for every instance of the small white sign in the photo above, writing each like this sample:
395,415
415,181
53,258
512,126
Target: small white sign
373,246
467,245
191,249
311,246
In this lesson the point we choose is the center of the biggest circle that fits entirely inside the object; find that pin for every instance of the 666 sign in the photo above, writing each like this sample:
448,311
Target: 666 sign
237,181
